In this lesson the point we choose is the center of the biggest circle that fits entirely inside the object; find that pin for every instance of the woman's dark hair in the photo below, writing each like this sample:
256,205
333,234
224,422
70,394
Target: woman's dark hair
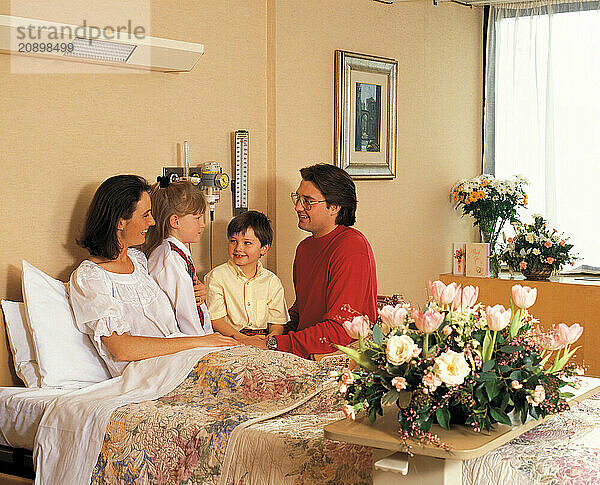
116,198
257,221
337,188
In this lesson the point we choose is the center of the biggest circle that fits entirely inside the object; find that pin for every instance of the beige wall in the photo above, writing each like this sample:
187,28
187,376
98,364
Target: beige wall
409,220
268,68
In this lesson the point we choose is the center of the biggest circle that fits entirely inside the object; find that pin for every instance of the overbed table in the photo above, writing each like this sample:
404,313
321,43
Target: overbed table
431,465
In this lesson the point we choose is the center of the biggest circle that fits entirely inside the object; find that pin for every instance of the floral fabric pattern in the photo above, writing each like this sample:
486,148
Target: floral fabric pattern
184,436
563,450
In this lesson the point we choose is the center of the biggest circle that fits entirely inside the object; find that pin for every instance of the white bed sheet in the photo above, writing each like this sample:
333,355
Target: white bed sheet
21,409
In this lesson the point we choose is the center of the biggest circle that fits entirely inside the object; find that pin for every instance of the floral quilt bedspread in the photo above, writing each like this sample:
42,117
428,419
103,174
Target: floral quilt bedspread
241,416
245,416
564,450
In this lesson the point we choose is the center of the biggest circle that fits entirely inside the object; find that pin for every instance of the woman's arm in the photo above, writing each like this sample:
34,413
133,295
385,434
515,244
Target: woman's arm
127,347
220,325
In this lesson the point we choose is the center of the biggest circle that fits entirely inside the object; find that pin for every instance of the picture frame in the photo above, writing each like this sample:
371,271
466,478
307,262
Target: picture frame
365,115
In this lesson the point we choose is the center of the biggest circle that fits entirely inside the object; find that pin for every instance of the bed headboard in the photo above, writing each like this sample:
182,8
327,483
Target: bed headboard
7,371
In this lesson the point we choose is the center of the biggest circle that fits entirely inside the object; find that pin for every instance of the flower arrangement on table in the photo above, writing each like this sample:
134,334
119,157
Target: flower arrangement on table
537,250
458,362
492,203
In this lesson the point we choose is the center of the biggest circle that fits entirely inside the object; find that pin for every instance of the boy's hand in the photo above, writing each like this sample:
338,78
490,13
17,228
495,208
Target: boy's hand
199,291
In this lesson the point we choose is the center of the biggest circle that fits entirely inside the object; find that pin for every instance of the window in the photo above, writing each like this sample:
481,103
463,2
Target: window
543,113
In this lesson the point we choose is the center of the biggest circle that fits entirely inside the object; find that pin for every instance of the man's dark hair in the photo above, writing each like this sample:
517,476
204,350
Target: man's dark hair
116,198
257,221
337,188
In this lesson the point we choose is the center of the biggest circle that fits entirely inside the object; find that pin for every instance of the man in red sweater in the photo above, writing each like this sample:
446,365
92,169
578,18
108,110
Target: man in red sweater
333,268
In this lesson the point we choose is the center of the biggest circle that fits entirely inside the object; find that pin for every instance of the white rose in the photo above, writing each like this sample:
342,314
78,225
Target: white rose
530,238
452,368
536,251
400,349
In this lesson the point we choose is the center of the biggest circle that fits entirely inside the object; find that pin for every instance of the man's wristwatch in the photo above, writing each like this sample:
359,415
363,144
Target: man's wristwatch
272,343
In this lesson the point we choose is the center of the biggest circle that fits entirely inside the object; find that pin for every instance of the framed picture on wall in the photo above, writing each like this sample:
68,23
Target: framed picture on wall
365,115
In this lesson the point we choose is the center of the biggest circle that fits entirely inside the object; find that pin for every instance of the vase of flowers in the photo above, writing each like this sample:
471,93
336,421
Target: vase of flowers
456,361
537,250
492,203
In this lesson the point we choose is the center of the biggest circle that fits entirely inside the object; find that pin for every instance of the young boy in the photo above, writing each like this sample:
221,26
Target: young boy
245,300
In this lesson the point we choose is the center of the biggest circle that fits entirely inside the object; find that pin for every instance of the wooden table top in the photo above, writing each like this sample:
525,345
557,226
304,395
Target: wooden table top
464,443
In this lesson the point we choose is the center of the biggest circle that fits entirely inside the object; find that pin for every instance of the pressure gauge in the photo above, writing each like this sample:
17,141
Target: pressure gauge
240,187
222,181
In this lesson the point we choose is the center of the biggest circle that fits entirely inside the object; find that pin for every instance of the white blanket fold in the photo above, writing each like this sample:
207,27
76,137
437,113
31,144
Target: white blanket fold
71,431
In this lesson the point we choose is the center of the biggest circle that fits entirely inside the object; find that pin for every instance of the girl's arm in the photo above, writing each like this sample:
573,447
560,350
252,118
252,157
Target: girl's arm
127,347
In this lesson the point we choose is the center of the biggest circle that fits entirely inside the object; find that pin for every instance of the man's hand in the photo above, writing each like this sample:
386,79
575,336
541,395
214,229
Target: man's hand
199,291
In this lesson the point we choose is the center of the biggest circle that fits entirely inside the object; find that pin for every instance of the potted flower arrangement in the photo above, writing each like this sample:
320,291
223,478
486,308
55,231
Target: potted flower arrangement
492,203
536,250
458,362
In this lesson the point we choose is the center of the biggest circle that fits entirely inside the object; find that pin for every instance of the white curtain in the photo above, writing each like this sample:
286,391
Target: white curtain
543,112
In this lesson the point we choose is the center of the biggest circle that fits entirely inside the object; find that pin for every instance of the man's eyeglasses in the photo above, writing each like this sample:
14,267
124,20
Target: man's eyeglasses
304,201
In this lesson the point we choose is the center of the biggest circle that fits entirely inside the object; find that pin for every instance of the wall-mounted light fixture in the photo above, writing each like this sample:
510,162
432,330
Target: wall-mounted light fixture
113,46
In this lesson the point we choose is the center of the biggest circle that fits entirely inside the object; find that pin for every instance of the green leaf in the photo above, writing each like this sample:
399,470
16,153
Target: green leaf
486,377
523,414
486,350
424,421
562,362
390,397
480,394
489,365
377,335
372,414
404,423
361,343
515,375
357,357
500,416
492,388
515,323
566,395
404,399
509,349
394,370
443,417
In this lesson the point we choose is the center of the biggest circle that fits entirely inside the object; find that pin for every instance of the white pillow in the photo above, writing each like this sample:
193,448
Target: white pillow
21,343
66,356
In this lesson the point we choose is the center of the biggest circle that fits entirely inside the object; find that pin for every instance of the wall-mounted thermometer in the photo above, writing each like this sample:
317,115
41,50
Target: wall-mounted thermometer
240,187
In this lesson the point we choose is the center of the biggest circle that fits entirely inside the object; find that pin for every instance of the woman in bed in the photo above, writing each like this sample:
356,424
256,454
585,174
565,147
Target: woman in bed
115,301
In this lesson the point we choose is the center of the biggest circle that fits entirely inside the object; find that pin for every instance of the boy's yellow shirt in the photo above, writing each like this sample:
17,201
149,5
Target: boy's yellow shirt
245,302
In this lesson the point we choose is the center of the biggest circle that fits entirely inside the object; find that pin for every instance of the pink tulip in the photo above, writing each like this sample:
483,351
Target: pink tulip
429,321
569,335
523,296
497,317
436,289
551,341
358,326
449,293
441,293
392,316
467,297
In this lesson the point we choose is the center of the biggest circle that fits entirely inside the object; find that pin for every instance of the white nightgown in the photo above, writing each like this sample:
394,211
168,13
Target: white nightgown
105,302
